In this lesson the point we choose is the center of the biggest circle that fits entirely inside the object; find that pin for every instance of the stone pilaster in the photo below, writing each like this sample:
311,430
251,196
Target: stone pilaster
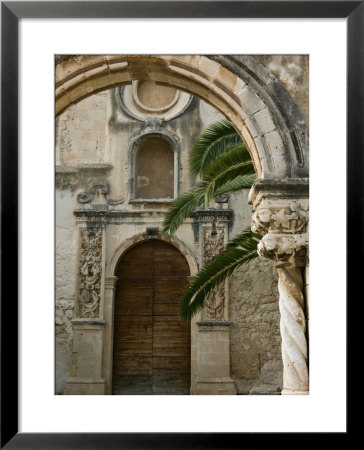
88,324
110,284
281,216
213,333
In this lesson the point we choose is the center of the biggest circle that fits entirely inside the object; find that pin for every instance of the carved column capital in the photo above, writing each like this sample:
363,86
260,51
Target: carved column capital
285,248
283,216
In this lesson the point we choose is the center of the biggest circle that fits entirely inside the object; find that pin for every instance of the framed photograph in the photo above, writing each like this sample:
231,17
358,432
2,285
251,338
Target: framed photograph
109,219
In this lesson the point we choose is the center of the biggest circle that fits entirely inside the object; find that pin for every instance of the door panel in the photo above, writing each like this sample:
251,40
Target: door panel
152,347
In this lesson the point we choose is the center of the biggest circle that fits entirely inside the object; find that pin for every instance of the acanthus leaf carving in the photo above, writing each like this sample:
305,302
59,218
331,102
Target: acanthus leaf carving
90,267
279,217
283,247
213,245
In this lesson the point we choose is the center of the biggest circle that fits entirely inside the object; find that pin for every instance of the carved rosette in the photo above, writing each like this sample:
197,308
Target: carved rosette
90,268
213,244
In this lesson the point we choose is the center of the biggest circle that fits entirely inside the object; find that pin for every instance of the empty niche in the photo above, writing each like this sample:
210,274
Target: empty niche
154,169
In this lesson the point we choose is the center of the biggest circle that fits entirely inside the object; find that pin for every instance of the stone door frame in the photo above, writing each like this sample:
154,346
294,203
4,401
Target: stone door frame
110,283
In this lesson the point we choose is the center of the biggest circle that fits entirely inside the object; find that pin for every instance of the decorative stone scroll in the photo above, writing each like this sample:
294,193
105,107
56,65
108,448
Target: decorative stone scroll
90,268
87,197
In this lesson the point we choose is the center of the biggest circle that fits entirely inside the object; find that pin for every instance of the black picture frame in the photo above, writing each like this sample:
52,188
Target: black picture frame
11,12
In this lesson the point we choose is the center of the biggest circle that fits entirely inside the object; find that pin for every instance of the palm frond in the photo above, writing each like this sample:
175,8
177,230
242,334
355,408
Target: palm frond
218,138
238,252
182,207
187,202
237,184
235,163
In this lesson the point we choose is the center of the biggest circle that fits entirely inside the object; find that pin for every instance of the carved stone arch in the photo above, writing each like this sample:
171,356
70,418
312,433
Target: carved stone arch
242,89
137,239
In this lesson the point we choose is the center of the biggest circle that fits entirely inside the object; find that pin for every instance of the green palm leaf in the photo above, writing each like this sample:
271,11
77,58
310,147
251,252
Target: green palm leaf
237,253
187,202
237,184
218,138
182,207
226,167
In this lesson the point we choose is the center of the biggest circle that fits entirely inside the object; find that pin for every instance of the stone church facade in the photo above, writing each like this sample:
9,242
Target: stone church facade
121,158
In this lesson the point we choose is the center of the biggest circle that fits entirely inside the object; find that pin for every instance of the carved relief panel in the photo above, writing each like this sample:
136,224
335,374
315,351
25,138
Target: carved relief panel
90,271
213,244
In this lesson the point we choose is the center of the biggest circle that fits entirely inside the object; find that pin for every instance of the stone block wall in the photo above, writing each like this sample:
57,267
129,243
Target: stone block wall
255,342
81,131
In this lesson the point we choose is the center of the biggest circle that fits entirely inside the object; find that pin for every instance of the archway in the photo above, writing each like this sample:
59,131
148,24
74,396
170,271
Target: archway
151,347
276,135
246,92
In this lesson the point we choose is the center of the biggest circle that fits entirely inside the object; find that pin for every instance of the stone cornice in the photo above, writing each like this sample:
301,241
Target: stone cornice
275,188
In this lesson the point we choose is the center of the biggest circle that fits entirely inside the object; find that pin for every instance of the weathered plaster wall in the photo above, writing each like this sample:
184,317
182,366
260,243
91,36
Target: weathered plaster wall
82,131
66,249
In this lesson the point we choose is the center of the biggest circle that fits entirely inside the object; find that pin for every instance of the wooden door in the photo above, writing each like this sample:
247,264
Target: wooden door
152,347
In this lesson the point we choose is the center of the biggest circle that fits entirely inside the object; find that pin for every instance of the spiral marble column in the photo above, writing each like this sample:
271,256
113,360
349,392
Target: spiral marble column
281,217
293,329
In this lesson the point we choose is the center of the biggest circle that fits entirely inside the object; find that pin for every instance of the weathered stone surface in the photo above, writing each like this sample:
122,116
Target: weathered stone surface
293,72
255,334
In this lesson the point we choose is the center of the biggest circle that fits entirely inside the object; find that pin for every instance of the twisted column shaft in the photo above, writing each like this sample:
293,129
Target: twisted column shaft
293,329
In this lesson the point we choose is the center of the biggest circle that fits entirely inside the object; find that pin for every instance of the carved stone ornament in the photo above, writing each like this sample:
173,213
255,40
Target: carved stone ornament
90,272
213,245
87,197
280,217
212,215
281,247
64,314
214,303
222,198
213,241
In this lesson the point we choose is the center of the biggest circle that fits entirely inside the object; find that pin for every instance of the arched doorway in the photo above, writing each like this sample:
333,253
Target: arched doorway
152,347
